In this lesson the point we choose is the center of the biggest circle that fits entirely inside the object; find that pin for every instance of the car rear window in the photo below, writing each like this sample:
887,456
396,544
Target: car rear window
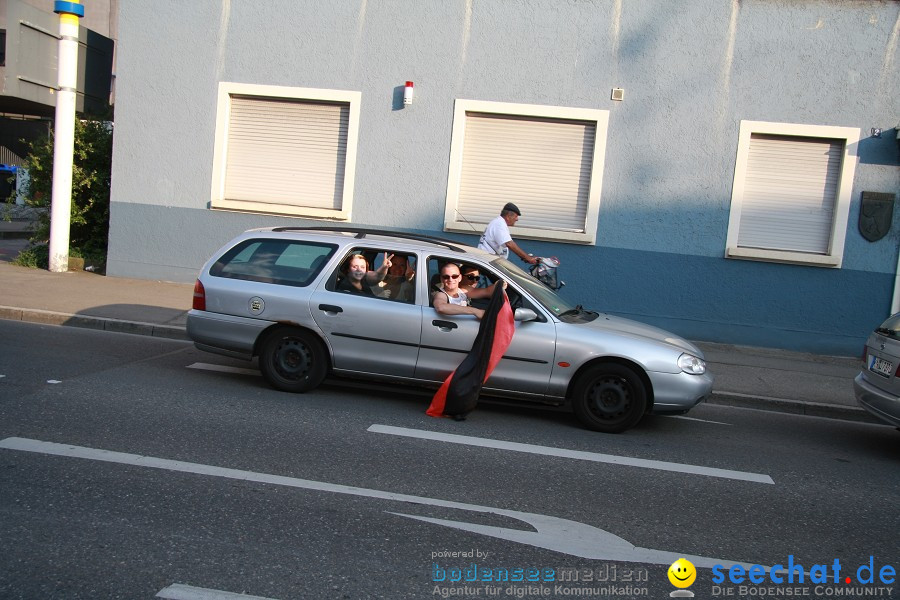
891,327
282,262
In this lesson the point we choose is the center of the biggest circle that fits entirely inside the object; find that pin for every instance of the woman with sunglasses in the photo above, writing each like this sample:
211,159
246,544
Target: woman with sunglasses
451,299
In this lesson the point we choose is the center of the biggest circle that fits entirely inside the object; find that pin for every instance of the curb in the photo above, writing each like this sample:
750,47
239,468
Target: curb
48,317
794,407
784,405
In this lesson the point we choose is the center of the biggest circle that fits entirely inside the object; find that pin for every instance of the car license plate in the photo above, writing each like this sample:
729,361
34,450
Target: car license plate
881,366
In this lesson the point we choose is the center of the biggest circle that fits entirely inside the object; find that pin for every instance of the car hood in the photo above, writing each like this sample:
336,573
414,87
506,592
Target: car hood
606,322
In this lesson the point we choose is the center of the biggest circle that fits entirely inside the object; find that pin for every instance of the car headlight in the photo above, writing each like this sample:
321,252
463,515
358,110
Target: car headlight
691,365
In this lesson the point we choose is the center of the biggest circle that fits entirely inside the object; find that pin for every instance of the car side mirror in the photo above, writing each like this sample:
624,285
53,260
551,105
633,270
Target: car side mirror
525,314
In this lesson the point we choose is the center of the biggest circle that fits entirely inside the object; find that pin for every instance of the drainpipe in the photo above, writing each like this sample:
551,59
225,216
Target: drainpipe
64,133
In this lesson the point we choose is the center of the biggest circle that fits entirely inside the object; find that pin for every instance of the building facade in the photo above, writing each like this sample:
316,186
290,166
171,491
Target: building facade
698,165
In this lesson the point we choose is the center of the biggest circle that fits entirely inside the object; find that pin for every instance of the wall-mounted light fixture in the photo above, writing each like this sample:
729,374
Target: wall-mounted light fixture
618,94
408,93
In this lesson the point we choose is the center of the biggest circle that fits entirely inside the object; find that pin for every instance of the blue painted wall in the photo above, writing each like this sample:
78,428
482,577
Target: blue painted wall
691,72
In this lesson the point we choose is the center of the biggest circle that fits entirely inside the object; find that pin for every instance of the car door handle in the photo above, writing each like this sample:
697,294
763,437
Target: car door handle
444,324
331,308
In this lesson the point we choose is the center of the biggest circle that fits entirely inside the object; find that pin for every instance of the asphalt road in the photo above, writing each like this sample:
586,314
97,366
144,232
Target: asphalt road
135,467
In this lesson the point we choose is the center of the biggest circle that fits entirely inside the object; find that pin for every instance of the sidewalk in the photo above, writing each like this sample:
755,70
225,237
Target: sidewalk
760,378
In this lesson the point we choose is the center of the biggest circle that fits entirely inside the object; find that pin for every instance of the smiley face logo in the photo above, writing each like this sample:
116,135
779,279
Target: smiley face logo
682,573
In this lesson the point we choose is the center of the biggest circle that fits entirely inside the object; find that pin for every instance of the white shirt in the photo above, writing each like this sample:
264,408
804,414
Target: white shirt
461,299
495,237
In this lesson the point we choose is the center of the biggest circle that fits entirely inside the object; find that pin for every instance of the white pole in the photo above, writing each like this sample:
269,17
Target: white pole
64,134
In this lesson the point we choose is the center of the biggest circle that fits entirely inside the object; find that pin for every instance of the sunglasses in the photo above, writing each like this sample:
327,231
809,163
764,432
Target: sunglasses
471,277
450,276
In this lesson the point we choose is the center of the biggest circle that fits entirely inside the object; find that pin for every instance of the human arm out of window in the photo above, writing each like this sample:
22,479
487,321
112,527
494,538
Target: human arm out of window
444,307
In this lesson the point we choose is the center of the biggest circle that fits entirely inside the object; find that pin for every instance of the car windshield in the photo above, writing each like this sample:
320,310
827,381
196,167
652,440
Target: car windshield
891,327
537,290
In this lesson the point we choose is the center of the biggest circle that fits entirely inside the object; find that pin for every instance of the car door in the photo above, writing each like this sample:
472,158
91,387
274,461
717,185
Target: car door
446,340
368,334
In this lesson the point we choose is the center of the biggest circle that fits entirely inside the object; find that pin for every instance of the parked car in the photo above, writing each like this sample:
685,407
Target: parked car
280,294
876,387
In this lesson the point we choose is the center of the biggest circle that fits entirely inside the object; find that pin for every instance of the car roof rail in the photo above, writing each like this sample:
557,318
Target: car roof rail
362,232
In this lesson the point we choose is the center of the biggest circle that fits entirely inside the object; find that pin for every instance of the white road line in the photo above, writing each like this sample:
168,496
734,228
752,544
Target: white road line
178,591
547,532
694,419
223,369
576,454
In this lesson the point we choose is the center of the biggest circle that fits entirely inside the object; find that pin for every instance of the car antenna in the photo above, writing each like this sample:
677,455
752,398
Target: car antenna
466,220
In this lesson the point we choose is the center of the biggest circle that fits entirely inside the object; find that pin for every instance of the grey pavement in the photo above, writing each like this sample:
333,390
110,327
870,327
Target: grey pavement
750,377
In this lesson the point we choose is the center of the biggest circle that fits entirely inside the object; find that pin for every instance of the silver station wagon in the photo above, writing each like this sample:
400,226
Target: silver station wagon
282,295
877,387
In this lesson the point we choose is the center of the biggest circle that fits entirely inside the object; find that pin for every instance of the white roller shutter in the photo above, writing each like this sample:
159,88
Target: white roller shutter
542,165
286,152
790,192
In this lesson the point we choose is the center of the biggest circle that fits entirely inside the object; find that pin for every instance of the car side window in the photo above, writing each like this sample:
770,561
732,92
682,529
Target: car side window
364,272
434,278
487,277
282,262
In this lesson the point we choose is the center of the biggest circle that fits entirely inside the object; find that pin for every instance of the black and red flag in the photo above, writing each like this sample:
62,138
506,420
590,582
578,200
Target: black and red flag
458,395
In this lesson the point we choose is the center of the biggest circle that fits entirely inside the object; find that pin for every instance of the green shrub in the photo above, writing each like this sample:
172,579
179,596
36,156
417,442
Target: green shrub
89,223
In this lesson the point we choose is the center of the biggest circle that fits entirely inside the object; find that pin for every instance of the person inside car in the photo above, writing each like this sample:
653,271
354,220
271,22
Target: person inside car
471,278
358,279
451,300
398,284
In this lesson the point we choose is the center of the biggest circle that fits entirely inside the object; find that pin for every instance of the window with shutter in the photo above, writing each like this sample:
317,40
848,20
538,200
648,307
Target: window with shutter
791,194
288,151
547,160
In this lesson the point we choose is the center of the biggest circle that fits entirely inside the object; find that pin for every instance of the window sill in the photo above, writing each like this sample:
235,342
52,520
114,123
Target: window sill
782,256
283,210
525,233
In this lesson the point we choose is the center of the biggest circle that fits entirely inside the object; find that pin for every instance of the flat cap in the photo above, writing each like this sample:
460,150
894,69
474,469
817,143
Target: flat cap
509,206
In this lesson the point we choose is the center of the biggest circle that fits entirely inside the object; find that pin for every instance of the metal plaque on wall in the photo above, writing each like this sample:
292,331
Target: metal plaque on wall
876,212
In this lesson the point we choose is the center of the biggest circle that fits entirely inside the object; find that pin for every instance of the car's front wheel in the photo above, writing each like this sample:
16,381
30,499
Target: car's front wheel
293,360
609,398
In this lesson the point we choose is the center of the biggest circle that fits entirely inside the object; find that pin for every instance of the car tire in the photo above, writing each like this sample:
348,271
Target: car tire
293,360
609,398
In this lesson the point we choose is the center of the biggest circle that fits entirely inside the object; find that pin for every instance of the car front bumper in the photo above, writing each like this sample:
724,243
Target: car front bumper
678,392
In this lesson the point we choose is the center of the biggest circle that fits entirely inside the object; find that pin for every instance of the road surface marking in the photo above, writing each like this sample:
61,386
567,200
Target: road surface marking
178,591
576,454
694,419
223,369
550,533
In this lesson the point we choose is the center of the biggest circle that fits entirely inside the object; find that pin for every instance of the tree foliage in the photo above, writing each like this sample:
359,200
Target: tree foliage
92,162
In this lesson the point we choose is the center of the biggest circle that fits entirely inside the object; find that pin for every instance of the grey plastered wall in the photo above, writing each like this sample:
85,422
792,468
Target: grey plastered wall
691,72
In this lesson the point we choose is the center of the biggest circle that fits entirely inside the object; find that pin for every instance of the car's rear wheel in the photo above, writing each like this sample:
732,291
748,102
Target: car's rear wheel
293,360
609,398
